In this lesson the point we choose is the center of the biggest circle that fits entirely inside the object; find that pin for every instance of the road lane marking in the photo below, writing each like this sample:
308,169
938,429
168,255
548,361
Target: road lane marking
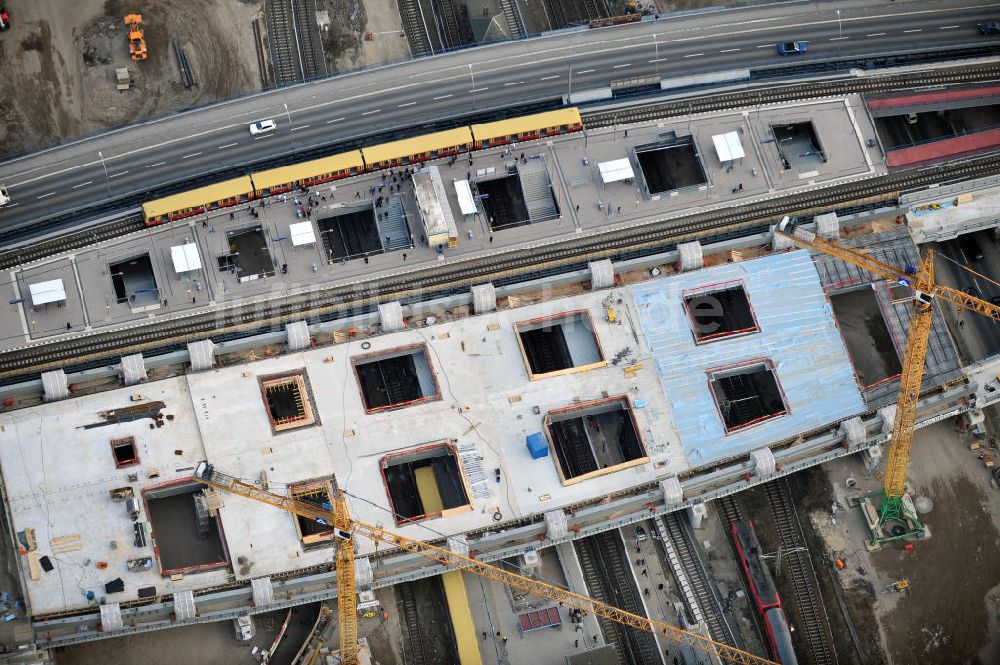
765,46
330,122
627,64
443,97
403,106
877,34
729,50
478,89
548,78
83,184
45,195
693,55
905,32
948,27
193,154
372,112
115,175
295,129
228,145
513,83
586,71
658,60
150,166
837,39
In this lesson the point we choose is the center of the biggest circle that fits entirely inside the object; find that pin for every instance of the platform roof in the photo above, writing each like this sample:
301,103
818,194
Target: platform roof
302,233
46,292
797,334
616,170
465,201
185,257
728,146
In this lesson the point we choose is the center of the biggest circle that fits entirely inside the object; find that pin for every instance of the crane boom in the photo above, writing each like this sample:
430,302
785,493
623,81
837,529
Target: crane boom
894,508
345,528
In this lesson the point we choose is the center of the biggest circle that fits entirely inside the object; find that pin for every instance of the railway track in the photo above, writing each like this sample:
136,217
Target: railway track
409,620
294,40
458,276
796,564
69,240
593,10
729,511
309,39
701,581
607,580
415,26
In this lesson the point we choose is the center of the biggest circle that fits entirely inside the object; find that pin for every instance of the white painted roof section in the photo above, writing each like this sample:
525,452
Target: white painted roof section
45,292
616,170
185,257
465,201
432,201
728,146
302,234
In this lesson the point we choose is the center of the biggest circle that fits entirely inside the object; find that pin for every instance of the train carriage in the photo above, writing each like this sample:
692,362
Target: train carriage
765,595
211,197
307,174
527,127
417,149
780,636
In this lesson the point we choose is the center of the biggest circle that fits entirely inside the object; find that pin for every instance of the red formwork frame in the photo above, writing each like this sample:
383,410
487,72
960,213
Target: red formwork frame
709,289
355,360
386,459
747,363
624,401
200,568
299,379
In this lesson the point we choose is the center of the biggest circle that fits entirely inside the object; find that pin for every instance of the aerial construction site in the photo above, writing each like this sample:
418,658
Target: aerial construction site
591,333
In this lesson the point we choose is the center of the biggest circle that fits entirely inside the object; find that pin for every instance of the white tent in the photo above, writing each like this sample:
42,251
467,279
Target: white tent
302,233
728,146
616,170
465,201
185,257
46,292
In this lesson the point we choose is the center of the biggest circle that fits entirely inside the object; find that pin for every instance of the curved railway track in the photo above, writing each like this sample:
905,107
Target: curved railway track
518,265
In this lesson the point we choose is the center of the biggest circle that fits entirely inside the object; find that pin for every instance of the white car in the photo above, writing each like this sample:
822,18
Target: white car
262,127
4,196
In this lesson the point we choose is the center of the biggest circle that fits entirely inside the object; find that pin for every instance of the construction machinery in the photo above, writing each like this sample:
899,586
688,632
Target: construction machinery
346,529
890,513
136,40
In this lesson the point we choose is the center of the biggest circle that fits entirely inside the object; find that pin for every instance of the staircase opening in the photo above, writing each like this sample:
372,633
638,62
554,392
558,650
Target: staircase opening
669,165
288,401
866,335
425,482
720,311
135,283
351,234
124,451
594,438
503,202
188,538
799,146
396,378
747,394
249,257
317,493
559,344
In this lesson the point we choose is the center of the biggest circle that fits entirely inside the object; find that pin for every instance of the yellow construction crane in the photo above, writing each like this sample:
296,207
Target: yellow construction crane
345,529
895,517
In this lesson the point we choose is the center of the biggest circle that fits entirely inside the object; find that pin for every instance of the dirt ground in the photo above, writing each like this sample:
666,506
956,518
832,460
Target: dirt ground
950,613
357,34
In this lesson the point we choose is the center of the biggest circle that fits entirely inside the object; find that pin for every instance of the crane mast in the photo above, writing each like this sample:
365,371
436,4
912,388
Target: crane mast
345,528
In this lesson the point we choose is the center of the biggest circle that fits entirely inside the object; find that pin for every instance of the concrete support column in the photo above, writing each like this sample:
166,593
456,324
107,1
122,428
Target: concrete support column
390,316
111,617
298,335
364,576
673,493
827,225
55,385
201,355
692,257
484,298
853,430
133,369
263,591
184,605
762,461
556,525
602,274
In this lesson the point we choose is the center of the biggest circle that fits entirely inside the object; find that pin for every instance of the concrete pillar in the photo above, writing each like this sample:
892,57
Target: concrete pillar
827,225
484,298
133,369
888,415
780,243
111,617
602,274
459,545
201,355
691,255
263,591
696,514
184,606
853,430
390,316
297,333
55,385
872,457
531,562
556,525
673,493
364,576
762,461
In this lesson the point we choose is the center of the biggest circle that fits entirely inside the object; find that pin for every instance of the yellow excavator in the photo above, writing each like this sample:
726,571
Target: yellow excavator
346,528
136,40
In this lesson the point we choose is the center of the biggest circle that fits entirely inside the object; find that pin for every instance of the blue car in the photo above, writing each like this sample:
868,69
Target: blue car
791,48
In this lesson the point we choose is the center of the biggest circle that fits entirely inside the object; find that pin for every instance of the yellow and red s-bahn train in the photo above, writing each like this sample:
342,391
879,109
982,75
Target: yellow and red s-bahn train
383,156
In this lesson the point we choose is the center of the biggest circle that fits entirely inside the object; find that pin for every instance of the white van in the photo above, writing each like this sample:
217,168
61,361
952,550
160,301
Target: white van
4,196
262,127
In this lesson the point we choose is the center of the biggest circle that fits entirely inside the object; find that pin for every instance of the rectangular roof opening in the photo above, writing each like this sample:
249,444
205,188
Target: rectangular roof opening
288,402
425,482
866,335
124,451
670,164
594,438
561,343
720,311
134,282
312,534
396,378
188,536
249,256
747,394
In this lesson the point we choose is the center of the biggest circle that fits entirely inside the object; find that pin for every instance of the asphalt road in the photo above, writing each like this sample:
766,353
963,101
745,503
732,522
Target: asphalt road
954,260
197,142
